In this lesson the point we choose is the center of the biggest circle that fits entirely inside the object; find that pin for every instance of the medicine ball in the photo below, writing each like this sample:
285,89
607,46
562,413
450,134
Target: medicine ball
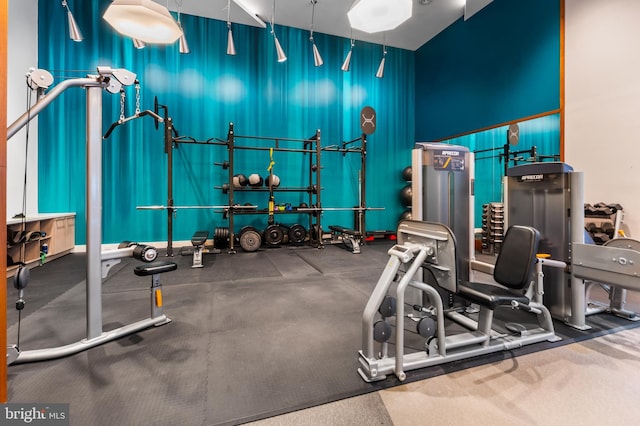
255,180
406,215
240,180
406,173
272,180
406,195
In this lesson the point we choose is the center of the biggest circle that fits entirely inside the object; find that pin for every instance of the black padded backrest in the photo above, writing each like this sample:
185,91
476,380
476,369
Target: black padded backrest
517,257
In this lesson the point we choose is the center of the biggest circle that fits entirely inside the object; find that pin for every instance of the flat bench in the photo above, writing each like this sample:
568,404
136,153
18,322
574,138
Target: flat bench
198,241
349,237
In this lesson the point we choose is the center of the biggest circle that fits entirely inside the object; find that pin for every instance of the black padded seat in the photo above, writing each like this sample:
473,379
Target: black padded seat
512,270
153,268
343,230
489,295
199,238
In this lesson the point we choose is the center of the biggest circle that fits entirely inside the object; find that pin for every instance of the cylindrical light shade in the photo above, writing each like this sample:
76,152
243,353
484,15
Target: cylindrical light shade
231,48
317,59
346,65
380,73
138,44
183,45
144,20
74,31
281,55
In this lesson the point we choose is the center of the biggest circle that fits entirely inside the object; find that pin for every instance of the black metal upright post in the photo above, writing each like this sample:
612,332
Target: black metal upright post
363,189
168,149
230,151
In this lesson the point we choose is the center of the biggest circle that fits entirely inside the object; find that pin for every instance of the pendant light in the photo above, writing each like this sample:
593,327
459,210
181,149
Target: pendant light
317,59
138,44
144,20
279,50
231,48
74,31
183,45
380,73
346,65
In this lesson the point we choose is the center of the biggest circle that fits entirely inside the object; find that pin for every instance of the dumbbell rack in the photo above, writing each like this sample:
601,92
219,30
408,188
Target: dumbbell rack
311,146
492,227
603,221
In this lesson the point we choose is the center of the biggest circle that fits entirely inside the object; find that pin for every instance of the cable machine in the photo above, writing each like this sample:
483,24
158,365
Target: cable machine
98,263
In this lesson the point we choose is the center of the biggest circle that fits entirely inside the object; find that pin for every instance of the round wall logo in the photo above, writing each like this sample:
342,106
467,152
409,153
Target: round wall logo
368,120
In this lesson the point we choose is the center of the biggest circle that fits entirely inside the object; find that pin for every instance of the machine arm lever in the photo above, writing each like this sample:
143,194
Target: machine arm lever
133,117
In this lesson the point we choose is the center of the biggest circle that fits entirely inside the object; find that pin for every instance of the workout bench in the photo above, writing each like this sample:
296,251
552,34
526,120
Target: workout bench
349,237
198,240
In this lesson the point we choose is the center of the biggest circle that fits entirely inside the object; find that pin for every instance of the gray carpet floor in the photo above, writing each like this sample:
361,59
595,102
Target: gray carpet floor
252,335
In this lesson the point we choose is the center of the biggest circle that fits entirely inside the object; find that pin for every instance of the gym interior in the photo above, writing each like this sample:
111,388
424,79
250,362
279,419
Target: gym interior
271,212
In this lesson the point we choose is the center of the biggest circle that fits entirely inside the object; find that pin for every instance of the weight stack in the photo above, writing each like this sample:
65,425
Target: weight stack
492,228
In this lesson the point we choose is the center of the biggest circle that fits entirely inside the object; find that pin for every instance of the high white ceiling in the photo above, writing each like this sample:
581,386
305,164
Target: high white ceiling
429,17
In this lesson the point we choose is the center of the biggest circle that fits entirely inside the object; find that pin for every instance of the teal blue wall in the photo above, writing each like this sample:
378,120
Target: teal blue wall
500,65
204,92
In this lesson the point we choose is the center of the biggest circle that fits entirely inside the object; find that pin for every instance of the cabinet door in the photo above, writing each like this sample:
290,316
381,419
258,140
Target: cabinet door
70,233
63,237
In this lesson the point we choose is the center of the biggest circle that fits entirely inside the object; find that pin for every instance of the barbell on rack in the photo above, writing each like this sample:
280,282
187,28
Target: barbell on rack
226,207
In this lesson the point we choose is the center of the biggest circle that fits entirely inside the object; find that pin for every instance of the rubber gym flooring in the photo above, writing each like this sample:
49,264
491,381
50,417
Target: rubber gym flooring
252,335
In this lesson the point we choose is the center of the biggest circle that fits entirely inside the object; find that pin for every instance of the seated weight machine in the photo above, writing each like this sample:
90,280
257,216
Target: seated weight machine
431,249
98,262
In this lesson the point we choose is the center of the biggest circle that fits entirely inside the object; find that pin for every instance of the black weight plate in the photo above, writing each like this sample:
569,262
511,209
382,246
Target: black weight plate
381,331
388,307
273,235
426,327
297,234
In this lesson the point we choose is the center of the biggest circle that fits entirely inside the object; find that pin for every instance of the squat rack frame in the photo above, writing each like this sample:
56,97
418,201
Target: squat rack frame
172,139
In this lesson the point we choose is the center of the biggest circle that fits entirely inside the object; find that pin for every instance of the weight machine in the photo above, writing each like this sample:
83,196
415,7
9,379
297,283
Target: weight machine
98,263
430,250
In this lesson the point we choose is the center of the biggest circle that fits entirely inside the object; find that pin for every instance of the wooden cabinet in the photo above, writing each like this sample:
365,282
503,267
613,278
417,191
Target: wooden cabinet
38,239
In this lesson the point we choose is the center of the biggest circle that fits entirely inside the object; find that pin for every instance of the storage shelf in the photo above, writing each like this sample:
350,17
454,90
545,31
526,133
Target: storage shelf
59,237
311,146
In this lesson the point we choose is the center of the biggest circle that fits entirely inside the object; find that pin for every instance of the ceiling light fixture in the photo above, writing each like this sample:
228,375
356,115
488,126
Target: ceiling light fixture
144,20
346,65
373,16
231,48
380,73
251,13
183,45
281,55
74,31
317,59
138,44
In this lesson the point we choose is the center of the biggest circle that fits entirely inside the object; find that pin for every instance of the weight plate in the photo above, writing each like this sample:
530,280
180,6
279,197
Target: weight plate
250,240
273,235
388,307
297,234
221,237
381,331
426,327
